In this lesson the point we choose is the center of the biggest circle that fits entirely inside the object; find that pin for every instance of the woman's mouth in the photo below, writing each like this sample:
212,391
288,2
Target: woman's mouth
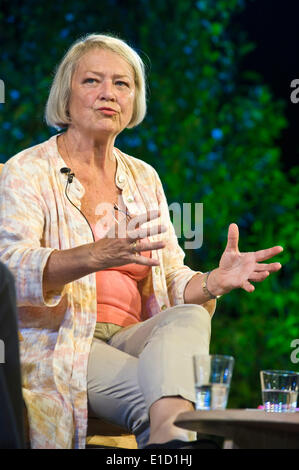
107,111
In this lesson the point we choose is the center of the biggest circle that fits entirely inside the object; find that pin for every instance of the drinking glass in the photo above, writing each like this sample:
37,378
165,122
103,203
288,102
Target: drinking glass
212,375
279,390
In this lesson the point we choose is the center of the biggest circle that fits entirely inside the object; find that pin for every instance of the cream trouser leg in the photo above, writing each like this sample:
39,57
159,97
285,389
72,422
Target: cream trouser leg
145,362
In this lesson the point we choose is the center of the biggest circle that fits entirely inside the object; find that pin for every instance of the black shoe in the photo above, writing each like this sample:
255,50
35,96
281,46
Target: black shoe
177,444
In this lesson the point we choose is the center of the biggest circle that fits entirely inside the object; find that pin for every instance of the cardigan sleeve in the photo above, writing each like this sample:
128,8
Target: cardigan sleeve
177,273
21,232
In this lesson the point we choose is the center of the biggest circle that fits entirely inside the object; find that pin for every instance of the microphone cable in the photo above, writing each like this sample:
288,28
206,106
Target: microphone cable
69,181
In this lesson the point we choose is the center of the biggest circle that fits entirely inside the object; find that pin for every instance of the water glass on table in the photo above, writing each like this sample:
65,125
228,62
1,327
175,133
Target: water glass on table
212,375
279,390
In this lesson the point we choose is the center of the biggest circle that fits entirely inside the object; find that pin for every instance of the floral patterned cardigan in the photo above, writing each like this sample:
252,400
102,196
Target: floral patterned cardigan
35,219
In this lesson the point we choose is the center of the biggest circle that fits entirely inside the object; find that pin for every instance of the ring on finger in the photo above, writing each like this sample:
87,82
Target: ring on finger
133,246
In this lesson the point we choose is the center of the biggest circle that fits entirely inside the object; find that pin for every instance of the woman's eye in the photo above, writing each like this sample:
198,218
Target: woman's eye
122,83
92,81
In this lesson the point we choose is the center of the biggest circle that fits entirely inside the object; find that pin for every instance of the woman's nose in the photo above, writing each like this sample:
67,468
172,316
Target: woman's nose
106,91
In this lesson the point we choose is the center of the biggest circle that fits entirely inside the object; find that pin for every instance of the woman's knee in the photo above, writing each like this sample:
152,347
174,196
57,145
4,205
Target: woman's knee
187,314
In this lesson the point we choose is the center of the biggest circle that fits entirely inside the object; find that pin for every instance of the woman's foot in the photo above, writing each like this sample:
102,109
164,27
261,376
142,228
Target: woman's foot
178,444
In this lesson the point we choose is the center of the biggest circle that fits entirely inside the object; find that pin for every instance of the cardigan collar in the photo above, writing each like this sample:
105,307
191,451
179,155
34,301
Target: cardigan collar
76,189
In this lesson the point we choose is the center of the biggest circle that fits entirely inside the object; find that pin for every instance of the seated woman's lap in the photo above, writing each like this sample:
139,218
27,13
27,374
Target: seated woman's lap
144,362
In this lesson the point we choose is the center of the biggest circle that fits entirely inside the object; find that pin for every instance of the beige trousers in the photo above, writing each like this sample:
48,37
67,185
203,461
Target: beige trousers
144,362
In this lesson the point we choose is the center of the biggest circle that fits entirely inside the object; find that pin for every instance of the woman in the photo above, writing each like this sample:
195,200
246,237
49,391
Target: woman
109,314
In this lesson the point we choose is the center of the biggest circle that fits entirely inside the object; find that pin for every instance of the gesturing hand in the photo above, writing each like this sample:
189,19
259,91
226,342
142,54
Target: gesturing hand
124,241
238,270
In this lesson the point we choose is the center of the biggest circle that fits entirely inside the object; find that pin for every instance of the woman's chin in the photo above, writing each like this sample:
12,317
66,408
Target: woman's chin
96,129
107,126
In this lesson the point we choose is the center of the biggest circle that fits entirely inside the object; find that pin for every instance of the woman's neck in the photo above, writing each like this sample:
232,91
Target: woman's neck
88,153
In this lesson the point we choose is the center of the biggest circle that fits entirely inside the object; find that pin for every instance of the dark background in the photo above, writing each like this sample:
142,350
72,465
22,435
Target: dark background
273,26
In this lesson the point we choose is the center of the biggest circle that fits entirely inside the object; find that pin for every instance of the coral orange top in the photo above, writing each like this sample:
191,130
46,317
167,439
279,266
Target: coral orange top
118,297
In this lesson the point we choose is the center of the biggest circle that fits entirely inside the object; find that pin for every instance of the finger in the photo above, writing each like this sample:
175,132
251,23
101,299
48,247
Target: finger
271,267
247,286
147,216
262,255
144,260
259,277
146,232
150,246
232,238
135,222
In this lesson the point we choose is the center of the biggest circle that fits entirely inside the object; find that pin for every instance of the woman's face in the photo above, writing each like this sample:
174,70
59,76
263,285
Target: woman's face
102,80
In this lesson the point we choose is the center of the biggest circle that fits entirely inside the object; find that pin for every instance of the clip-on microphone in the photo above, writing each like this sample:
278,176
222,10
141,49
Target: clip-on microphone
68,171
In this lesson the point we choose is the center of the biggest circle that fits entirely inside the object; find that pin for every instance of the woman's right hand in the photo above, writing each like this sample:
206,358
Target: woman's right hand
117,248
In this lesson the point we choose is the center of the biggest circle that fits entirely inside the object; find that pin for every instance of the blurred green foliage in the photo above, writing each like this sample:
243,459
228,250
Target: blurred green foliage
210,132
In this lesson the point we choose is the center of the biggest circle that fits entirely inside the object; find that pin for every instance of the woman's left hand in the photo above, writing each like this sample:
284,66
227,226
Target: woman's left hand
238,270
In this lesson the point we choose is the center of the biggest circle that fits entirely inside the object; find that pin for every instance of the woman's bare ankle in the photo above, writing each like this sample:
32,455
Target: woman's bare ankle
168,433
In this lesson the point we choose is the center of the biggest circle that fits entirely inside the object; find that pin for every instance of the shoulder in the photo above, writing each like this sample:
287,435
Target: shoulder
32,160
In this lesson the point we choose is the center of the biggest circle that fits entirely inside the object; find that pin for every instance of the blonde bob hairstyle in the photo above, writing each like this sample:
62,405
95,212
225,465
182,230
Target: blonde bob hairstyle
56,113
